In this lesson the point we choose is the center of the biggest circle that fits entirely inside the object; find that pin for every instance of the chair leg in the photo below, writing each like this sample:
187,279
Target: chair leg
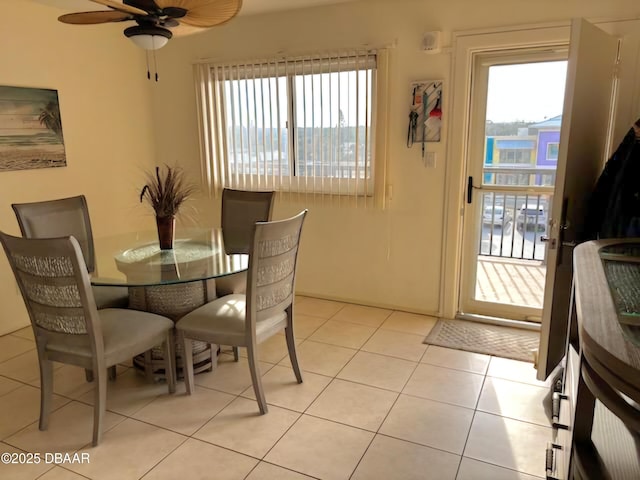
236,355
100,405
255,378
293,356
170,361
187,363
214,350
88,374
46,390
148,366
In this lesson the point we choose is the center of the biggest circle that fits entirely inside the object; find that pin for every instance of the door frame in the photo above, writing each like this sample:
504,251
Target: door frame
465,46
481,63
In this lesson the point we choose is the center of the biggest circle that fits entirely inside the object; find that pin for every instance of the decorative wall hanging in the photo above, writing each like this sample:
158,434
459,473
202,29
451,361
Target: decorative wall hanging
30,129
425,116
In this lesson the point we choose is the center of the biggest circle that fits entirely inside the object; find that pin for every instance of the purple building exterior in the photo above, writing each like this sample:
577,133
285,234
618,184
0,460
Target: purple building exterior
548,142
547,152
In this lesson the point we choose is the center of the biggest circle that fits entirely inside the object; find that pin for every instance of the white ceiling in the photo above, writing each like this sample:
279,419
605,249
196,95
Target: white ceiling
249,7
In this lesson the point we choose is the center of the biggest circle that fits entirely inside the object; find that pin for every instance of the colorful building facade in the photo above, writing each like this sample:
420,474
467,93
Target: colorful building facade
534,150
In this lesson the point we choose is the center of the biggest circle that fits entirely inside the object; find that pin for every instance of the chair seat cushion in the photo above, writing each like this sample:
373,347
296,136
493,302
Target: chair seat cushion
125,333
110,297
223,321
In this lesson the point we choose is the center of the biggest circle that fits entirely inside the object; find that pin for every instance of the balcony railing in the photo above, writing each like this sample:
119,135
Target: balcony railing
514,225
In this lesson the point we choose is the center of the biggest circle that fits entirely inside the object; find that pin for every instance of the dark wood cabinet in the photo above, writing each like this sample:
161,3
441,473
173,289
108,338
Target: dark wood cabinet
596,413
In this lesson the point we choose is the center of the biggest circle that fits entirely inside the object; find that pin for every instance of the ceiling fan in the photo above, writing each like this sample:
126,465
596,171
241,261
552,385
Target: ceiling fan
158,20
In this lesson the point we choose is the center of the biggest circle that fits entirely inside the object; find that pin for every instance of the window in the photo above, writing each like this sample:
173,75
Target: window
297,125
548,179
515,156
552,151
512,179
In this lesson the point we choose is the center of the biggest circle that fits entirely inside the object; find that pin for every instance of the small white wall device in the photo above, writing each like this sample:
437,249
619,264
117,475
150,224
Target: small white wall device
431,42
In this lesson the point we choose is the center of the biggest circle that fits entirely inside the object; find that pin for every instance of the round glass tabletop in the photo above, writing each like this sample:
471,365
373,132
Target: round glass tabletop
135,259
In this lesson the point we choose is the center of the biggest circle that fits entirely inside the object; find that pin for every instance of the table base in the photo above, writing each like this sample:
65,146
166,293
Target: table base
204,360
174,301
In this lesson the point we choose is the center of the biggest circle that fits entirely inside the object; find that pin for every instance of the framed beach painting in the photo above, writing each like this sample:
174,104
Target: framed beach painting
30,129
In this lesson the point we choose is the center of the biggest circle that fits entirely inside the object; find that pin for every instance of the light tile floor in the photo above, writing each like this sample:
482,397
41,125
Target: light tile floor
376,403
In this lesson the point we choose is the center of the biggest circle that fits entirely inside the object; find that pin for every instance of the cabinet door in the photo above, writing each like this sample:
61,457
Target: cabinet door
568,409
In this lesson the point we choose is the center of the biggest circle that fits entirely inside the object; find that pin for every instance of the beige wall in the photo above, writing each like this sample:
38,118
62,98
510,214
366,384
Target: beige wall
105,103
390,258
116,123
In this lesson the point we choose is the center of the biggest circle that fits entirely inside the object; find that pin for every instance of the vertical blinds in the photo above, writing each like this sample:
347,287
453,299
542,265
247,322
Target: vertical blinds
311,128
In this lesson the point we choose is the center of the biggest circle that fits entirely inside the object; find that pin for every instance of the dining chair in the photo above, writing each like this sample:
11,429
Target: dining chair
63,217
68,327
241,209
246,320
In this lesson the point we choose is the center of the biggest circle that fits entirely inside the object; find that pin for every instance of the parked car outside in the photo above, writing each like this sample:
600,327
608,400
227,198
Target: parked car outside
496,215
532,217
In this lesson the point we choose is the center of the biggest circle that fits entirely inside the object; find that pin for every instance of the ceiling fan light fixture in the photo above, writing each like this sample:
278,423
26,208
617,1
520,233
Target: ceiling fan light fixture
148,37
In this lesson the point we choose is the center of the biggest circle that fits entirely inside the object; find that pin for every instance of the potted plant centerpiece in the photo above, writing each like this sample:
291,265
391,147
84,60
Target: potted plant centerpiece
166,190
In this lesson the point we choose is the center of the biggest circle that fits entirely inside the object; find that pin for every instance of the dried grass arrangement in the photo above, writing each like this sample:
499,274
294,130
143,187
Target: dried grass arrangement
166,191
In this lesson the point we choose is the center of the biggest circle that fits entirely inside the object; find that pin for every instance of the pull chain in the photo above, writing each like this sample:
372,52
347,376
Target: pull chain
155,64
146,54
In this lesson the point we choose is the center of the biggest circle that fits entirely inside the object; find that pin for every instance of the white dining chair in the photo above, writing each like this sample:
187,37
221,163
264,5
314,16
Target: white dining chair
246,320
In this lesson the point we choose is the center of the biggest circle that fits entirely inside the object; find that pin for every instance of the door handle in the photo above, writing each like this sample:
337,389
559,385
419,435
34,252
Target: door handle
469,189
551,241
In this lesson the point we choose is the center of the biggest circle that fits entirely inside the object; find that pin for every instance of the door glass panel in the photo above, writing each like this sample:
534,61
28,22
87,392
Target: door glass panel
522,130
522,135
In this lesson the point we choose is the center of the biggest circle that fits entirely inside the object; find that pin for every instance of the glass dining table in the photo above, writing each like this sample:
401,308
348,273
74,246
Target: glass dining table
167,282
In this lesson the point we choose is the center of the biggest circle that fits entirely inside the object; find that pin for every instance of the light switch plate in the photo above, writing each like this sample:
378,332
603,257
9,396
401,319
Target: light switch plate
430,160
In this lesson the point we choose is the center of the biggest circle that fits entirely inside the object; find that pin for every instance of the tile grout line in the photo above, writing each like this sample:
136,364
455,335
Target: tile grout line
61,466
164,458
332,378
377,432
335,377
473,417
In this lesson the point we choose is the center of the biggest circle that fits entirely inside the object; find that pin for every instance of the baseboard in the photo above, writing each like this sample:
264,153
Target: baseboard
386,306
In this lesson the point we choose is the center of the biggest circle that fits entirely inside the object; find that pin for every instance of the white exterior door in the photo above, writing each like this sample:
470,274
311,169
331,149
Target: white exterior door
586,126
516,102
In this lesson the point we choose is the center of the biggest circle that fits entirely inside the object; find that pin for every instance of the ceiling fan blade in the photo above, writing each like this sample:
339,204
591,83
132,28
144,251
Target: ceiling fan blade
121,7
147,5
204,13
183,30
91,18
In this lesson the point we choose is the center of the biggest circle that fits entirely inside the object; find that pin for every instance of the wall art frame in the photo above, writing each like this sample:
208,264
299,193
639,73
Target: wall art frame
30,129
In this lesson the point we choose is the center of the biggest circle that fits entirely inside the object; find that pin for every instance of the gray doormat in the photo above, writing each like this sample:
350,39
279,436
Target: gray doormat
507,342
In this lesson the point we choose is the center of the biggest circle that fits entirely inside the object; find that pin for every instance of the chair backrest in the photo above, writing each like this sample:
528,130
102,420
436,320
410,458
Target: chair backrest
272,268
54,283
58,218
240,211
